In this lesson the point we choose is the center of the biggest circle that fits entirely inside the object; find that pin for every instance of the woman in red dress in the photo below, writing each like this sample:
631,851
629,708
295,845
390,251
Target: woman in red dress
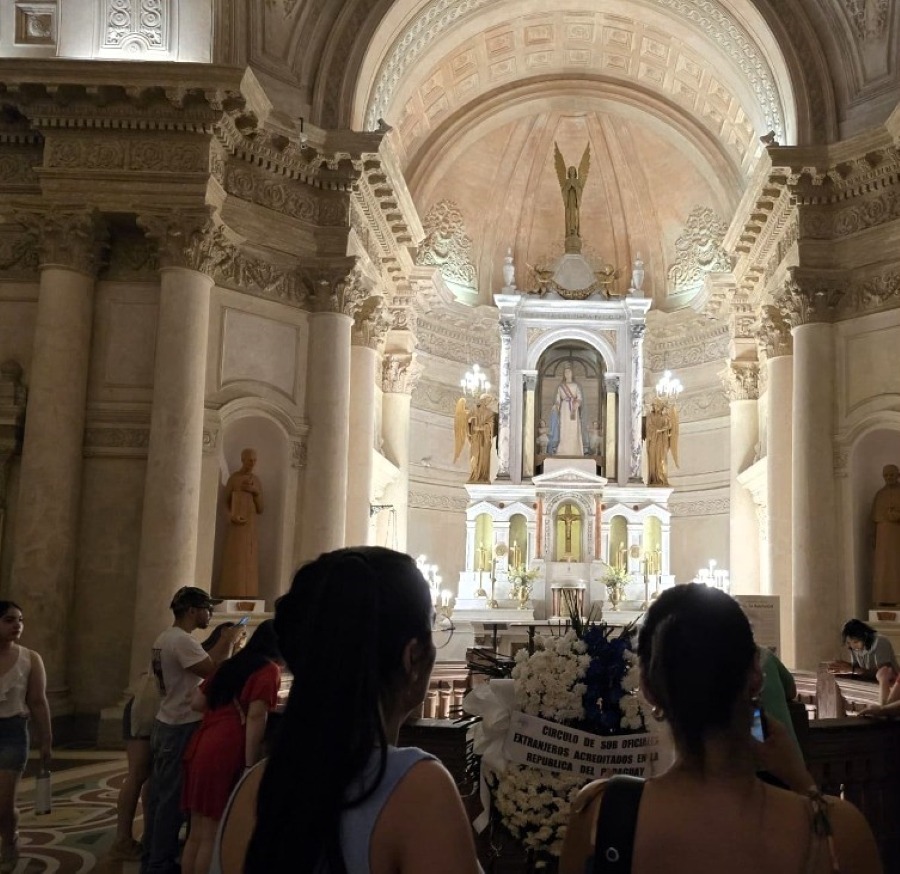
235,701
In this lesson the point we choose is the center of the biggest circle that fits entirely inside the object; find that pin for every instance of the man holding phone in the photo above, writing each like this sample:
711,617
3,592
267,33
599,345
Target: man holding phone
179,663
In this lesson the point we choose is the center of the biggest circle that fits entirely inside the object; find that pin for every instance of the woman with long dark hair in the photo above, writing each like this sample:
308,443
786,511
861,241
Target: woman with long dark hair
710,812
235,701
337,796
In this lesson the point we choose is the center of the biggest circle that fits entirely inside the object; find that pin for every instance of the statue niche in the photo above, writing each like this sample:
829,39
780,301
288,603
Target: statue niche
570,408
568,532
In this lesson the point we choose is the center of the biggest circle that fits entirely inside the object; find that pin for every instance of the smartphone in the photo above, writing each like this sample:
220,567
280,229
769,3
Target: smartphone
758,727
242,621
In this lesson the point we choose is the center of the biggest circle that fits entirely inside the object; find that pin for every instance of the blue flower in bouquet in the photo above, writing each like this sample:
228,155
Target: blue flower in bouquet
611,679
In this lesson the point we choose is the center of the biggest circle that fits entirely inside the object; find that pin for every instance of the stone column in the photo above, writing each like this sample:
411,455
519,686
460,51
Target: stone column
367,334
506,329
167,558
46,543
637,401
337,299
779,429
399,374
742,388
815,565
530,381
611,426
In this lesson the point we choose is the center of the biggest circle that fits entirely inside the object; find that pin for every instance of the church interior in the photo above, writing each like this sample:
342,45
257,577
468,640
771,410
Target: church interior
295,226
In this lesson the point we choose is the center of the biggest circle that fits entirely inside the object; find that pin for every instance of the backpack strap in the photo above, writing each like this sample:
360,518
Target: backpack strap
616,825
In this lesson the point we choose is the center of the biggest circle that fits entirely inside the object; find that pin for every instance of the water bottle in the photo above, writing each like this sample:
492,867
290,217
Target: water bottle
43,801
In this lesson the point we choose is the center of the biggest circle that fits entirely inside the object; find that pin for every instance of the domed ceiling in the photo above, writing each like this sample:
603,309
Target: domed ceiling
671,97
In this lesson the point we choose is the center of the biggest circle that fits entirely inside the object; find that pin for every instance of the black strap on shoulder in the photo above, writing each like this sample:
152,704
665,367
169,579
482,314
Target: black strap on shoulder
616,825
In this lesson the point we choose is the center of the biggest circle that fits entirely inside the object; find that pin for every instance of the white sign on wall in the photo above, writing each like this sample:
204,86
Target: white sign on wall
764,613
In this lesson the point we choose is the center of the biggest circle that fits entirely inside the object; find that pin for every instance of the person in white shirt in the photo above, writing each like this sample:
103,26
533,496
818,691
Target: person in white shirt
179,664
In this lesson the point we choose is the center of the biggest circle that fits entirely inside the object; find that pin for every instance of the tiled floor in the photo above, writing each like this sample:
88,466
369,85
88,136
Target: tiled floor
75,837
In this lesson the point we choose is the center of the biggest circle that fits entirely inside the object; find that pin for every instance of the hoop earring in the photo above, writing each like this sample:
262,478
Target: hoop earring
657,713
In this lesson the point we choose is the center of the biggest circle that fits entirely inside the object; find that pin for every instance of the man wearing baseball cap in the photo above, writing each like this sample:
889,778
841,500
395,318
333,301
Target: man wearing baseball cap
179,664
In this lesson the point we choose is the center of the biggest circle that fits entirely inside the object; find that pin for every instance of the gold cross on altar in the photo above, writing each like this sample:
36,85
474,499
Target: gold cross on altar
569,516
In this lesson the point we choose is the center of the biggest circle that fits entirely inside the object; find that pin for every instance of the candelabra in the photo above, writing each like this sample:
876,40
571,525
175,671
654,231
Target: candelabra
441,598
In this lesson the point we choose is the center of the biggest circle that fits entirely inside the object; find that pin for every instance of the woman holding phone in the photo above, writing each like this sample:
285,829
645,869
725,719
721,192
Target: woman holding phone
235,701
710,812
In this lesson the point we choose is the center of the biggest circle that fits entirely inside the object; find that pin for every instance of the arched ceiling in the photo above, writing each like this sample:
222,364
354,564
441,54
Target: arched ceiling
671,96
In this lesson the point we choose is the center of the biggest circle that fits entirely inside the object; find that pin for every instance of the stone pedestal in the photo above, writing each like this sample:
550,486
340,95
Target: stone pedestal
43,568
328,409
169,527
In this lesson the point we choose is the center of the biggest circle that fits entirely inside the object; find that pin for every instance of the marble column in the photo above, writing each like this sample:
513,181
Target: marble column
611,450
503,435
815,564
167,558
323,525
46,541
742,388
367,334
779,430
637,401
528,437
399,374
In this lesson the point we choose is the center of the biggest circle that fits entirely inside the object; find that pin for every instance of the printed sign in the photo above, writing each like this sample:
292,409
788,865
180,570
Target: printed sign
764,614
541,744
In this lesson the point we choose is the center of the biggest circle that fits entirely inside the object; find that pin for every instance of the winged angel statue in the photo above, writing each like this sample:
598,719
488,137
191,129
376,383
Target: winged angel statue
478,425
571,184
662,439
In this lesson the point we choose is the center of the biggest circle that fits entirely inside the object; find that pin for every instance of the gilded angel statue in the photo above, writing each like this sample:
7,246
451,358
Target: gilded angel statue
478,425
571,183
662,439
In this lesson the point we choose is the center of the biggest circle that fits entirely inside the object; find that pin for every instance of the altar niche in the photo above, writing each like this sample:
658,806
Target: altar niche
570,410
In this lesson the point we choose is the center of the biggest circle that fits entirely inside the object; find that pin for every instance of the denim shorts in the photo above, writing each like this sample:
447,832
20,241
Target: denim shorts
13,743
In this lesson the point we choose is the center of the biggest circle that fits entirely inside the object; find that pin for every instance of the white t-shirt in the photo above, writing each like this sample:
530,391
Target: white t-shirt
174,651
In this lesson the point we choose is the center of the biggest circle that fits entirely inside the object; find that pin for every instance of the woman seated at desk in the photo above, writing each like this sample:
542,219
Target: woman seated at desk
869,653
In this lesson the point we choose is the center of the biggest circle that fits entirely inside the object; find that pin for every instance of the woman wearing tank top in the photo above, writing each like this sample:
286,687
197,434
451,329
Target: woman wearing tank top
23,693
337,796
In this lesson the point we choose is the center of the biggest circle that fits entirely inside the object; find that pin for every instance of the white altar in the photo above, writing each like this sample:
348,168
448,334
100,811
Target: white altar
568,502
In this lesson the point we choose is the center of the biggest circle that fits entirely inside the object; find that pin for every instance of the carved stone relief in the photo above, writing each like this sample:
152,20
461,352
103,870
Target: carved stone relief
435,397
775,337
869,17
370,324
68,239
18,255
707,507
741,381
427,501
446,245
400,373
698,251
136,26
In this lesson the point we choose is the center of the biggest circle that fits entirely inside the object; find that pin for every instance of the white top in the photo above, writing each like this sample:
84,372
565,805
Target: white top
174,651
14,685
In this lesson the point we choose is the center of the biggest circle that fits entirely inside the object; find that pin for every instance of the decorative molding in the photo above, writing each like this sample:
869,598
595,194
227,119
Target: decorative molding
446,245
686,346
18,168
699,251
741,380
706,507
211,438
430,501
136,26
117,434
341,287
869,17
132,257
299,449
435,397
869,295
118,152
187,239
18,254
702,405
260,278
841,460
443,333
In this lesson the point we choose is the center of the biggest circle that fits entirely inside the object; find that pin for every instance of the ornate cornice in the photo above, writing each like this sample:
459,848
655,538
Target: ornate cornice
741,380
672,344
872,294
461,335
430,501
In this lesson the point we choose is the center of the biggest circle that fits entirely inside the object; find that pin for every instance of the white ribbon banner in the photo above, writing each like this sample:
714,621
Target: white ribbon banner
553,747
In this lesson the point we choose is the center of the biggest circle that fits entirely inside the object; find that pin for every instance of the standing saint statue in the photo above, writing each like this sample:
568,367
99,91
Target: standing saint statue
662,438
478,426
571,184
569,403
239,577
886,518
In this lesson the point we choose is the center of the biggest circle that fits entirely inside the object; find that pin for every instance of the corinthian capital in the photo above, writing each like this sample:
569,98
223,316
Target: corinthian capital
808,298
400,373
189,240
337,287
741,380
74,239
370,323
774,336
